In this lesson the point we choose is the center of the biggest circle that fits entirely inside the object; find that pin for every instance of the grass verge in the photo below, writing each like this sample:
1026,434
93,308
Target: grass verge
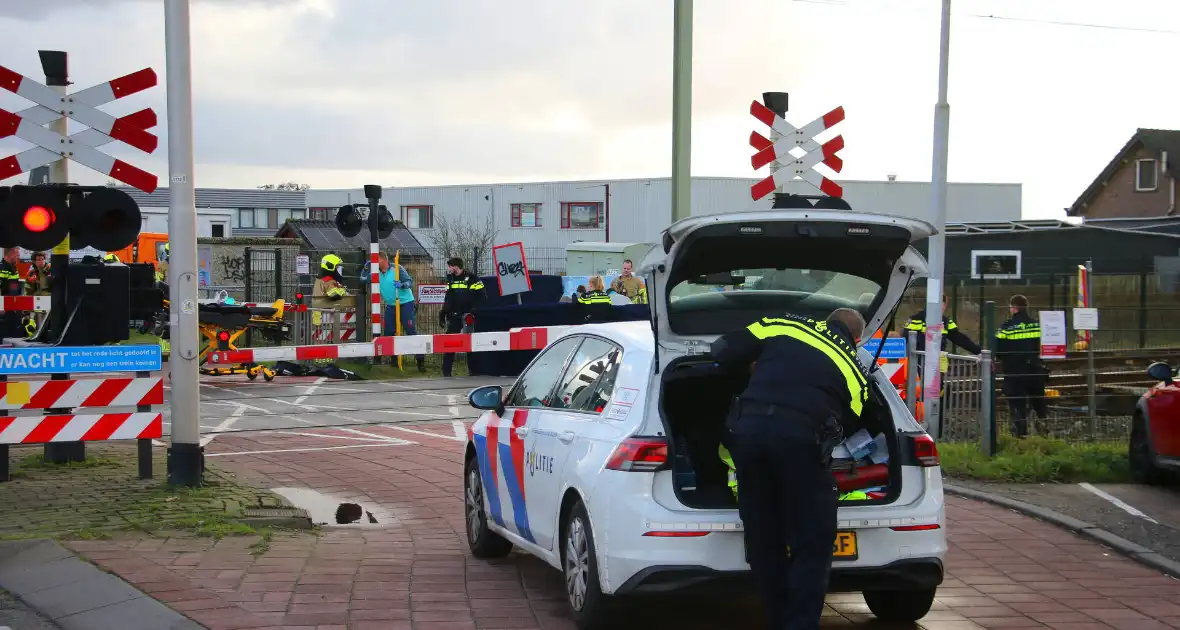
103,497
1038,460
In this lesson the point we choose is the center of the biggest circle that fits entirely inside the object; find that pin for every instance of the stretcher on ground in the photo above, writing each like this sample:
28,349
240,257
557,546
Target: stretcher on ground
223,324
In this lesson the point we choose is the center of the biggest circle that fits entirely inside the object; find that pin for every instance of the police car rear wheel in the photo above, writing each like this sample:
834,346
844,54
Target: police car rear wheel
483,542
588,605
900,606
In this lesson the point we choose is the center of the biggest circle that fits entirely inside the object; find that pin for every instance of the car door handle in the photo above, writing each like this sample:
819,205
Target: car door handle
522,431
566,437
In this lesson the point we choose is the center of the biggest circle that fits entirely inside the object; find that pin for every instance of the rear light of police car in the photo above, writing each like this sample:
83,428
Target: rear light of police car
924,450
639,454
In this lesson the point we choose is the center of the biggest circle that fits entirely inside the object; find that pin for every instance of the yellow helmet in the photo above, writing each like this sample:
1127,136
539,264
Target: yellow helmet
330,263
110,258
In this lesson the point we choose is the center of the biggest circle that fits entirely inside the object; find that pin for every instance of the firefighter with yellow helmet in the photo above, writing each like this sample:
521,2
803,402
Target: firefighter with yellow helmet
329,287
162,265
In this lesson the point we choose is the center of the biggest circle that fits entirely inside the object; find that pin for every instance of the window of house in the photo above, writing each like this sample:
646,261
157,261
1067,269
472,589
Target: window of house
290,213
526,215
418,217
218,230
1145,175
323,214
244,218
582,215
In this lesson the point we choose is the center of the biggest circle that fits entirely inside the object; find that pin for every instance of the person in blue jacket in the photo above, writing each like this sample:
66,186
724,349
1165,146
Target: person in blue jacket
398,293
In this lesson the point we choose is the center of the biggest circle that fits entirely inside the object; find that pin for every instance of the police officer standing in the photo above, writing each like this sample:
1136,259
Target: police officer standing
805,385
1018,347
595,303
10,285
465,291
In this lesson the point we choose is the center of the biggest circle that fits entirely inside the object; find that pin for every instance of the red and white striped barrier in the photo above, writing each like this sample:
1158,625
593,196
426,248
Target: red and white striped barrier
81,428
95,392
25,303
517,339
323,332
141,393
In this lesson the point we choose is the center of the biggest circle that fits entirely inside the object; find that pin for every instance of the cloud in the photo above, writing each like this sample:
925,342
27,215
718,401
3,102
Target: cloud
35,10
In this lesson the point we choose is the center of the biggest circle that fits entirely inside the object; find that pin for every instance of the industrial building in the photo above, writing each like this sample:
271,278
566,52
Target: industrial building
555,214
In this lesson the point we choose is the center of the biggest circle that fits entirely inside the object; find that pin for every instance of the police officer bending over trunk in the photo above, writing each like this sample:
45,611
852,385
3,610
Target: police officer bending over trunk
805,384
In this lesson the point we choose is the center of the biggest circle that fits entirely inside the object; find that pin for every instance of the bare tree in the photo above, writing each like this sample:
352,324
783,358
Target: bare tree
291,186
455,237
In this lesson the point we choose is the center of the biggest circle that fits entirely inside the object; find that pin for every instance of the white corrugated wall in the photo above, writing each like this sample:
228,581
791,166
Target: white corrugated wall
641,208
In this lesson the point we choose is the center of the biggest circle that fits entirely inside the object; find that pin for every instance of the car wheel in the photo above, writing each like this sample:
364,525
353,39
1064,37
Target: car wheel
483,542
1143,468
589,607
900,606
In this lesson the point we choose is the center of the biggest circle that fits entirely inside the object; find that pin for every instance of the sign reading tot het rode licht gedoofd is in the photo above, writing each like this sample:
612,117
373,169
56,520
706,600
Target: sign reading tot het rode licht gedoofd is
512,272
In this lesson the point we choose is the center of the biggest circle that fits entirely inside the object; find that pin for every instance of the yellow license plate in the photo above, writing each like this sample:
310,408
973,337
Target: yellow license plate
844,548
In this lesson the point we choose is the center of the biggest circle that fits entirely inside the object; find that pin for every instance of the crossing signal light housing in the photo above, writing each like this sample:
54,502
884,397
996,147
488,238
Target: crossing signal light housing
223,340
384,222
107,220
40,217
298,298
348,221
34,217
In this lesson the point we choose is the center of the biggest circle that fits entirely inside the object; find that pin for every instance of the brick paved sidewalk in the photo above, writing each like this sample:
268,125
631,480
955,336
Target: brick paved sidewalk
413,572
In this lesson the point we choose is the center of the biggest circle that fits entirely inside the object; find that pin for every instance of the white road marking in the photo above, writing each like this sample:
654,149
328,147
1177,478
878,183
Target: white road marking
408,413
335,437
287,402
1129,509
376,436
311,389
306,450
460,430
455,438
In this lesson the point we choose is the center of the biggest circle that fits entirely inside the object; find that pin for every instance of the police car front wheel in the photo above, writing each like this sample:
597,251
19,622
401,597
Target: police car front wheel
900,606
483,542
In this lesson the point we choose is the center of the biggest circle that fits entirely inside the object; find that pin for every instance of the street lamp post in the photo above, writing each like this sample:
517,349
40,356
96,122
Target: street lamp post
682,110
931,374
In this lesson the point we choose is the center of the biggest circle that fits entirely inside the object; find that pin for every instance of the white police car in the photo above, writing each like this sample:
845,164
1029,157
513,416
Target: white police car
602,458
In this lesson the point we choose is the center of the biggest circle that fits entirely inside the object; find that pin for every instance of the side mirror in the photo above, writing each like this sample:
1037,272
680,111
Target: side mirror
488,398
1160,371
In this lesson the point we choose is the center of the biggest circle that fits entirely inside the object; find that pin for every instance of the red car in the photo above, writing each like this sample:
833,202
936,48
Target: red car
1155,429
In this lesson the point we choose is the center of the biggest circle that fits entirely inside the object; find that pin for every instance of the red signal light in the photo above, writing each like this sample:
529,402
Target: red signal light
298,296
38,218
223,336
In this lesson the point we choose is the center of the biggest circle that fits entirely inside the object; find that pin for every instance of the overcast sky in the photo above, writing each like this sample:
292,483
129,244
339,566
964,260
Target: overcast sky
339,93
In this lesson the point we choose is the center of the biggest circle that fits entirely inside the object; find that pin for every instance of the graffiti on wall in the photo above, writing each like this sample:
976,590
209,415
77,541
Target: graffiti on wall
233,268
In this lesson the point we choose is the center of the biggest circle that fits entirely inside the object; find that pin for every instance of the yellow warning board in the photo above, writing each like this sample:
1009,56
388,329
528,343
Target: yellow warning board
17,393
63,248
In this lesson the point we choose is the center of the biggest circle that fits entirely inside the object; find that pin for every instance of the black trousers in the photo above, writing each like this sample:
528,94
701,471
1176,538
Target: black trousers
1024,392
787,498
454,325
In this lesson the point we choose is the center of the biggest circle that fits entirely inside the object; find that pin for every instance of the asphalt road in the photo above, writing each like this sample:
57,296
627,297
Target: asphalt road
1146,515
234,406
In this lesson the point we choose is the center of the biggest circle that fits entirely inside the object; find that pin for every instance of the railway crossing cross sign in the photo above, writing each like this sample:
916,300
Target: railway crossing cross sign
786,164
81,147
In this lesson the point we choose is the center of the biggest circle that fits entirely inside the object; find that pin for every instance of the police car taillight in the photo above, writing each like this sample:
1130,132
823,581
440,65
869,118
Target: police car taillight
925,451
639,454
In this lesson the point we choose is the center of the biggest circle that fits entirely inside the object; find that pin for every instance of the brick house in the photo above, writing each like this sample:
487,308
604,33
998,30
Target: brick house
1139,182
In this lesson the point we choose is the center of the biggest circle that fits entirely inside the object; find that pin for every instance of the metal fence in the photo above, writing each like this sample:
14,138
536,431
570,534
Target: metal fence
1136,311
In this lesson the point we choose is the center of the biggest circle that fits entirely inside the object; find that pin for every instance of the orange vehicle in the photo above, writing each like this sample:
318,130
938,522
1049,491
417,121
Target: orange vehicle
149,247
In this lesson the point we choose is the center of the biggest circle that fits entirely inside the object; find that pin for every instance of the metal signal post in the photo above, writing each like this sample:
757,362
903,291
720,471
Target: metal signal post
186,459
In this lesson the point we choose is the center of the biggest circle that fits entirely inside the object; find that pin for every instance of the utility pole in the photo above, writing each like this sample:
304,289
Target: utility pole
55,65
682,110
931,374
186,458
